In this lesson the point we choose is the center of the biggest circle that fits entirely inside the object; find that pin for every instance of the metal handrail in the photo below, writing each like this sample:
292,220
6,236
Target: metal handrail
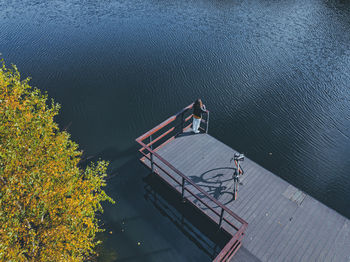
241,220
224,254
163,124
169,120
237,236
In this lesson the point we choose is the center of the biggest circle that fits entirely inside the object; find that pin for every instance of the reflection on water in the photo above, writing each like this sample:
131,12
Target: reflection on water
196,226
275,76
145,225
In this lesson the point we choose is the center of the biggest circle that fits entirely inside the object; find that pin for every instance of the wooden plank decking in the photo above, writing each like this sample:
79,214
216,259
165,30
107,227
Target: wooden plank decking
285,224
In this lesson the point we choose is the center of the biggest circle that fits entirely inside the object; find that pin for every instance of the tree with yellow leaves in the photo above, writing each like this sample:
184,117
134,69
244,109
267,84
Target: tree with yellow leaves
47,203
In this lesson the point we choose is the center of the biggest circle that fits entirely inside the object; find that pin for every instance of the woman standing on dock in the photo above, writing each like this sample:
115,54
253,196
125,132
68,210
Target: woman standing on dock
198,110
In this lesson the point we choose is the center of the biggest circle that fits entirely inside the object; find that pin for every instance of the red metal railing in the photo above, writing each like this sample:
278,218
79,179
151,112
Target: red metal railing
184,116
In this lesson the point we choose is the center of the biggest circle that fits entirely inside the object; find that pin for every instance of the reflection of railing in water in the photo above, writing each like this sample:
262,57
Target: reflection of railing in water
201,230
233,245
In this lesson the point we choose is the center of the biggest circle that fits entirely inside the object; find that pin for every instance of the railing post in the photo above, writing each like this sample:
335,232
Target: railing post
221,217
182,122
206,130
151,154
183,188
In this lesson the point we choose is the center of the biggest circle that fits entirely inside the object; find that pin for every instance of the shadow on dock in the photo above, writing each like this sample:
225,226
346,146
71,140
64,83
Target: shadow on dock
216,182
192,223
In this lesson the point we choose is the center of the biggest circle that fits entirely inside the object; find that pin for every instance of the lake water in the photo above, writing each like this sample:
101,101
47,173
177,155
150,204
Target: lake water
274,75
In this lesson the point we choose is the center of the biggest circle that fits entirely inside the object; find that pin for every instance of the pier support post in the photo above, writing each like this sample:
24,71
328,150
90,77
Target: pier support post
207,127
183,189
151,154
221,217
182,123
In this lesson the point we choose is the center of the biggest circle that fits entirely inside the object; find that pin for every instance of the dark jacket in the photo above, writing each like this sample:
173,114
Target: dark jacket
198,110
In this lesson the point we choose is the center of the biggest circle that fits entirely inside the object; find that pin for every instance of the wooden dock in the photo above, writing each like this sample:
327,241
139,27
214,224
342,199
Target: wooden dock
285,224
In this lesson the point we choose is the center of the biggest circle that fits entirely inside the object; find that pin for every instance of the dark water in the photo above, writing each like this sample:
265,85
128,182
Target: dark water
274,74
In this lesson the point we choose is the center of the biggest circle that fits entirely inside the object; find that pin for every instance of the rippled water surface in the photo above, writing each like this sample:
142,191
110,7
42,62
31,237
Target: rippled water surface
274,74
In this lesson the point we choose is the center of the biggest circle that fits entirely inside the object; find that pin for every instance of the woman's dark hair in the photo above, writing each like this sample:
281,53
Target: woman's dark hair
198,102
